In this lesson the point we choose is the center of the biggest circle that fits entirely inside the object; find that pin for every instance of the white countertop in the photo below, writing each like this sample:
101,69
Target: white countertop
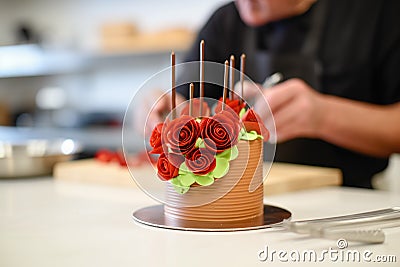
53,223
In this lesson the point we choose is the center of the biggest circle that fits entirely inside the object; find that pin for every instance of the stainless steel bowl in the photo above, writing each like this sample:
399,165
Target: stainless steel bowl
34,157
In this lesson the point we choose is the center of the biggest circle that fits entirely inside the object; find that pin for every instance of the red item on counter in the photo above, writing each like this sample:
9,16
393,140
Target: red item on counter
107,156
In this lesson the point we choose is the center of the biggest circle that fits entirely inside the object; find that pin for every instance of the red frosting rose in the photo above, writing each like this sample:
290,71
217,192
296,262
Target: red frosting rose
235,105
220,132
196,108
200,161
253,122
181,134
155,139
168,166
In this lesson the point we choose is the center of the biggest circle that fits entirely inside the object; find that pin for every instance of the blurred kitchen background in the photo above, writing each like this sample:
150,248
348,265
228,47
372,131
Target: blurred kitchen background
69,68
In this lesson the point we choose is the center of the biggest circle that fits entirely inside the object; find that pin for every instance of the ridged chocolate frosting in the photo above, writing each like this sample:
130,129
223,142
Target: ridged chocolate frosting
228,198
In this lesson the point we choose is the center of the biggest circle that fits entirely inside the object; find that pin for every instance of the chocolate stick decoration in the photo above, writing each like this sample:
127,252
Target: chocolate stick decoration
201,76
191,93
224,94
232,77
173,95
242,66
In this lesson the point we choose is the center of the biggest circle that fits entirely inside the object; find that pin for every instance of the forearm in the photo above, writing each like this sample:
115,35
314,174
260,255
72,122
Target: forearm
362,127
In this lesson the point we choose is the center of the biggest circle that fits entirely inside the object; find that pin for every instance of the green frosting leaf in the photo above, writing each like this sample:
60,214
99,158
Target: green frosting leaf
200,143
181,190
178,187
242,132
204,180
234,153
226,154
242,112
221,167
229,154
183,169
186,179
175,181
250,136
258,135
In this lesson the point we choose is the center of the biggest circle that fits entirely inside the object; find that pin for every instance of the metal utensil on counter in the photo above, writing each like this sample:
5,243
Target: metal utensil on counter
371,236
361,227
34,157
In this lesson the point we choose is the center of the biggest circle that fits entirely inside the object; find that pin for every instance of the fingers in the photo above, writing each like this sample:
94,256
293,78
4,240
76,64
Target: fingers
280,95
147,112
285,123
284,117
295,107
160,104
159,110
156,111
277,97
250,90
152,120
179,100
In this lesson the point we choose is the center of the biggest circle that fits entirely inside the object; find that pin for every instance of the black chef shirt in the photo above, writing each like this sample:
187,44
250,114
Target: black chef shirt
357,54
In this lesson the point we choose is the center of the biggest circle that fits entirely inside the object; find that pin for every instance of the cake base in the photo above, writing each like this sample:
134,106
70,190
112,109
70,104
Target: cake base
154,216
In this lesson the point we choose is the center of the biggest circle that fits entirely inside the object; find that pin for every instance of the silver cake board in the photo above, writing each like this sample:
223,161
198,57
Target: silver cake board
154,216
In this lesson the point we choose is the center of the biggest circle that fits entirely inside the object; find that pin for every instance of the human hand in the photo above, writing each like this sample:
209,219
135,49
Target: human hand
251,91
154,107
298,109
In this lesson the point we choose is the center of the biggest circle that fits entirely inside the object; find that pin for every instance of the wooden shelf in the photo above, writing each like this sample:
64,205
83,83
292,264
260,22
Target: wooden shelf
176,40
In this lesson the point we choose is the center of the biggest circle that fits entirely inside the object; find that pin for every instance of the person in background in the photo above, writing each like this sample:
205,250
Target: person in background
339,105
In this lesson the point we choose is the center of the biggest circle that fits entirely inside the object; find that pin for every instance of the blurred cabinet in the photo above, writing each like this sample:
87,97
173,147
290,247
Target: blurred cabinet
4,115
